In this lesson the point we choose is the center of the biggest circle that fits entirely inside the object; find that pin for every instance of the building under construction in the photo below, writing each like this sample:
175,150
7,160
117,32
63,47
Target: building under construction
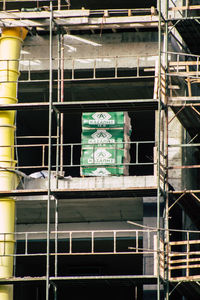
90,207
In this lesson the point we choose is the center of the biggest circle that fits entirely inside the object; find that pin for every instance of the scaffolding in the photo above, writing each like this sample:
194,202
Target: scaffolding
176,262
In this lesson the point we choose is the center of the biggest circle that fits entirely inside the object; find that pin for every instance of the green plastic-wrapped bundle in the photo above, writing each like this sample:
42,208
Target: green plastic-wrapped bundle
105,144
103,119
104,171
102,156
103,137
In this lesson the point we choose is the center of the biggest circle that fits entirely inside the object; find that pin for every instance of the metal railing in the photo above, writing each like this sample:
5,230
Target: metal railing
180,260
71,242
141,154
180,152
185,11
184,65
79,243
56,3
81,68
181,65
184,259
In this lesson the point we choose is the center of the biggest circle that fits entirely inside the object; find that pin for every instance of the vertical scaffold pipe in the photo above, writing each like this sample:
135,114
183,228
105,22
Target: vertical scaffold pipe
10,45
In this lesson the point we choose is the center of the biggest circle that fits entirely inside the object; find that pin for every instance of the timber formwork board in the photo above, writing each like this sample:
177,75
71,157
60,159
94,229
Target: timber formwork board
78,19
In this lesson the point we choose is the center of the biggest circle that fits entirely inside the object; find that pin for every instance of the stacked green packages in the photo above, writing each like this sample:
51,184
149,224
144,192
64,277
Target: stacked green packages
104,171
101,156
110,138
107,120
105,143
103,119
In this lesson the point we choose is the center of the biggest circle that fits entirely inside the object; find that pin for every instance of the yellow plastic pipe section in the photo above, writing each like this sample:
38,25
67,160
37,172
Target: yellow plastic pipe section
10,46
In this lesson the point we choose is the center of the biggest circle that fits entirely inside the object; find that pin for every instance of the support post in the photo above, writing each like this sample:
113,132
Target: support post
159,150
49,152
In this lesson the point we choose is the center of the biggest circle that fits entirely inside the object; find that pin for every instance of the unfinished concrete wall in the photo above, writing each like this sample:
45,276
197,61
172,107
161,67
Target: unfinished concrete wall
175,153
81,52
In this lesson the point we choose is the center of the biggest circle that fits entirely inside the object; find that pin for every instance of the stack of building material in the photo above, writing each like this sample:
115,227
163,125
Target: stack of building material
105,143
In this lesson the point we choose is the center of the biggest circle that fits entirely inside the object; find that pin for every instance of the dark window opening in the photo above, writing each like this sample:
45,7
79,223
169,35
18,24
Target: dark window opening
80,265
34,123
32,153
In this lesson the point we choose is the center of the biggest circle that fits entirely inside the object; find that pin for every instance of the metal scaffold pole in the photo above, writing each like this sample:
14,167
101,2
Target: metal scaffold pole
49,152
166,157
57,152
159,150
62,100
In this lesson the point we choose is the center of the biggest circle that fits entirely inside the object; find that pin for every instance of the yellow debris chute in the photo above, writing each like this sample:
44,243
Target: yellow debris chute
10,45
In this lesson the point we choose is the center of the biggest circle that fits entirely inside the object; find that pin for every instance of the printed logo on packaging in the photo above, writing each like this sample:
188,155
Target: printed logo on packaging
101,172
101,156
101,136
101,119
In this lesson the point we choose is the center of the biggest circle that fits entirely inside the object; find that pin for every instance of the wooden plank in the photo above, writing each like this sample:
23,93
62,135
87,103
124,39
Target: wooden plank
77,26
189,83
183,98
190,7
183,63
176,267
184,267
186,74
179,104
184,260
78,23
44,14
184,278
185,242
179,254
76,13
176,254
43,20
132,19
178,192
110,22
25,23
171,255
